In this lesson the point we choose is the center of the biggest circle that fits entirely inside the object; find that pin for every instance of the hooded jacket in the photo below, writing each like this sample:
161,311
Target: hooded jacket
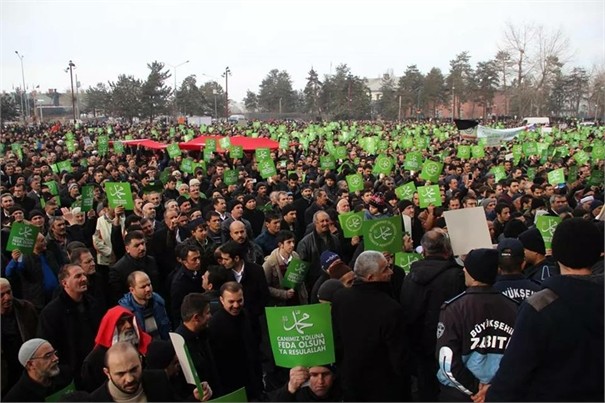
556,352
92,367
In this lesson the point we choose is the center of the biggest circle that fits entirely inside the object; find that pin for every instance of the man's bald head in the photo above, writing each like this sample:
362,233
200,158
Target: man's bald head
237,231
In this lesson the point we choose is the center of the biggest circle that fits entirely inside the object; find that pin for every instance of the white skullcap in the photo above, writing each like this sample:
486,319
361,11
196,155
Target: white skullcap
28,349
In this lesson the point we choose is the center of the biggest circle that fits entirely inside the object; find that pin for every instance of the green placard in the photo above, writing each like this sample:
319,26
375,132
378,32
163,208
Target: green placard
547,226
556,177
327,162
478,151
341,153
405,260
531,173
59,395
598,153
429,195
499,172
383,165
572,173
517,151
64,166
596,177
22,237
355,182
236,152
187,165
210,145
301,335
295,274
383,234
88,197
431,171
406,191
53,186
165,175
235,396
351,223
208,154
581,157
530,148
71,145
118,147
262,154
464,152
407,142
284,144
413,161
102,144
225,143
119,194
230,176
173,150
266,168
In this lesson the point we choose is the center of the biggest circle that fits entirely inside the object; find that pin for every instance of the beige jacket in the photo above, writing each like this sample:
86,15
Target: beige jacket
274,278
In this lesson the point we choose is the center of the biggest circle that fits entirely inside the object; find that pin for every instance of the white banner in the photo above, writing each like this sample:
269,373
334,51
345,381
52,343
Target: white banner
496,136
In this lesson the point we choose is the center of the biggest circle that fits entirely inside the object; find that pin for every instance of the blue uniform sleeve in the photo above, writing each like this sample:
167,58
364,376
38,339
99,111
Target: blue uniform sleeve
452,371
12,266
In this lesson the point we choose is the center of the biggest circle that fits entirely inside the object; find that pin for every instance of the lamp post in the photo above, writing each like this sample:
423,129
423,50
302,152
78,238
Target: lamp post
226,74
453,103
25,105
176,109
70,68
214,92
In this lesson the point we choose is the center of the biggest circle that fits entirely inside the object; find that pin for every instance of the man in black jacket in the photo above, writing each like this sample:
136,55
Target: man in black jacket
322,386
135,259
186,279
432,281
234,343
556,352
369,332
70,321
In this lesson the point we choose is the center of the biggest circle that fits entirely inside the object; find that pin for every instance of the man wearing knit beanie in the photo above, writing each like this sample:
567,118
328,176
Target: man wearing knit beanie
538,266
557,350
42,376
473,331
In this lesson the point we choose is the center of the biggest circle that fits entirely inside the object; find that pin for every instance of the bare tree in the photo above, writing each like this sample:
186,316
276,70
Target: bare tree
516,42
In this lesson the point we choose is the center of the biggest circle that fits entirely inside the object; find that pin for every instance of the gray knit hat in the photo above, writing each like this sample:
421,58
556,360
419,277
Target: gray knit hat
28,349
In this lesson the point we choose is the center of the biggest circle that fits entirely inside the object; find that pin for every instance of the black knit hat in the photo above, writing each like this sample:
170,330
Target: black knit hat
482,265
514,228
532,240
328,289
247,198
159,354
577,243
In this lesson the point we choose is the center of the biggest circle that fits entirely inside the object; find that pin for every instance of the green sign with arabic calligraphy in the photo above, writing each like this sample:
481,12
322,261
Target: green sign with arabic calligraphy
301,335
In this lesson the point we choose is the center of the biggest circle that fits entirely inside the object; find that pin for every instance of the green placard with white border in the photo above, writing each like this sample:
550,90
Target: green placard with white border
295,273
119,194
383,234
88,197
556,177
355,182
428,195
547,226
301,335
236,152
266,168
351,223
173,150
406,191
230,176
22,237
405,260
262,154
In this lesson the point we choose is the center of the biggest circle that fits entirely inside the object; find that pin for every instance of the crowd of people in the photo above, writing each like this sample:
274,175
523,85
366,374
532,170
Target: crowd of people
88,312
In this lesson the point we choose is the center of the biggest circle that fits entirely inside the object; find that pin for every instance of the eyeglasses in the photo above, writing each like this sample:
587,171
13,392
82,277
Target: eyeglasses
46,356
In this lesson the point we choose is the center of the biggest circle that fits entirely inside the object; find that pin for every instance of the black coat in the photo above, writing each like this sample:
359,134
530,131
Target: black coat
203,358
155,384
27,390
71,328
369,332
118,274
431,282
236,351
162,248
256,290
184,282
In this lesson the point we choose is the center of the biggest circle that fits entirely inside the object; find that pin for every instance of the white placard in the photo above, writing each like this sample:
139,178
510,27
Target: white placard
189,372
467,228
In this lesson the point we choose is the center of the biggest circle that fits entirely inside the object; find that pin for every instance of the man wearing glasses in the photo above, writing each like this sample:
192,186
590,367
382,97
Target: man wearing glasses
42,376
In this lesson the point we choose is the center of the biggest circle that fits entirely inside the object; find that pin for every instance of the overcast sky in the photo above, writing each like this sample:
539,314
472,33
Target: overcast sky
107,38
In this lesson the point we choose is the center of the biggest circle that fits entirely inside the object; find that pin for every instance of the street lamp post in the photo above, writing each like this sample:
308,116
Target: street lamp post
25,105
176,109
453,103
226,74
214,92
40,102
70,67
